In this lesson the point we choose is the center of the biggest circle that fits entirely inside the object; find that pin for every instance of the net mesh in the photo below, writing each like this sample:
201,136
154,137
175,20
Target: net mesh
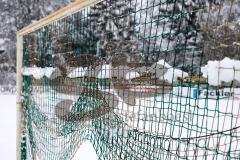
137,79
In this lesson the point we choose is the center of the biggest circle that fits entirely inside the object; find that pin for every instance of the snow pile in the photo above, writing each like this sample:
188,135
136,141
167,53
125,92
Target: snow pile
37,72
2,41
81,72
225,70
172,73
8,126
78,72
131,75
105,72
165,64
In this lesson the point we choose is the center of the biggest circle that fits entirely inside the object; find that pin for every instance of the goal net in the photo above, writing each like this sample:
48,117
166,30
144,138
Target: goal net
139,79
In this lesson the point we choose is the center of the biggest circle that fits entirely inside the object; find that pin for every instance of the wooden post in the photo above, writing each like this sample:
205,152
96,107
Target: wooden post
19,90
77,6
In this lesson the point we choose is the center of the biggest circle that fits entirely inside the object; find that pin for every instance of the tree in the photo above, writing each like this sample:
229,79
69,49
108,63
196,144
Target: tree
115,29
181,34
221,30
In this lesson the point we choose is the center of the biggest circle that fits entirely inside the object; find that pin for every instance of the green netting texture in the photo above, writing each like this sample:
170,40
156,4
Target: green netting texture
139,79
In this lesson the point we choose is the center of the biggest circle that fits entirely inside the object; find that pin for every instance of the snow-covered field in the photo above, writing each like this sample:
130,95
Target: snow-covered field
7,127
184,113
8,132
178,115
86,151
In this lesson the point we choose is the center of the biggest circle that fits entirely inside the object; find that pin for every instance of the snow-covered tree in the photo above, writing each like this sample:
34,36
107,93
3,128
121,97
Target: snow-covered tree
114,28
170,31
221,29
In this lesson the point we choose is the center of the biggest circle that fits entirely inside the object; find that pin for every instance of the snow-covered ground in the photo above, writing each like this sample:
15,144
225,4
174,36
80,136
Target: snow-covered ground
185,112
8,127
8,132
86,151
179,116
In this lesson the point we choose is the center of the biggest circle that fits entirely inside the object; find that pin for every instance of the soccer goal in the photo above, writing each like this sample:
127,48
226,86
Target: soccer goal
139,79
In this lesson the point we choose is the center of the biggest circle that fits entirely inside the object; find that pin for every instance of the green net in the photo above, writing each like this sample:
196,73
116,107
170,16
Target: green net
139,79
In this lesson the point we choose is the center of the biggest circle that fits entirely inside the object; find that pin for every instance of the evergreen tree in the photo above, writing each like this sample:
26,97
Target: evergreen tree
115,29
220,29
184,36
171,31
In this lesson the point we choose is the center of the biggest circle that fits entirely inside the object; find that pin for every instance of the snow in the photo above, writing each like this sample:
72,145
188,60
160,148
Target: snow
86,151
78,72
140,117
164,63
8,132
37,72
186,119
172,73
8,127
225,70
1,41
105,72
131,75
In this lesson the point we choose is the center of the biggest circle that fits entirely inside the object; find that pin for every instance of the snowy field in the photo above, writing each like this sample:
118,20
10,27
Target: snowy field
8,132
86,151
8,127
173,119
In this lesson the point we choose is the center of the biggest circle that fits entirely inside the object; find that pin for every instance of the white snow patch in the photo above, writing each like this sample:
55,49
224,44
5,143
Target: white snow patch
8,127
225,70
165,64
78,72
172,74
105,72
38,72
1,41
131,75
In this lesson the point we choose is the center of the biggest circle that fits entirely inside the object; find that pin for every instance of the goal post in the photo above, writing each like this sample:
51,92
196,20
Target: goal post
19,88
140,79
61,13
